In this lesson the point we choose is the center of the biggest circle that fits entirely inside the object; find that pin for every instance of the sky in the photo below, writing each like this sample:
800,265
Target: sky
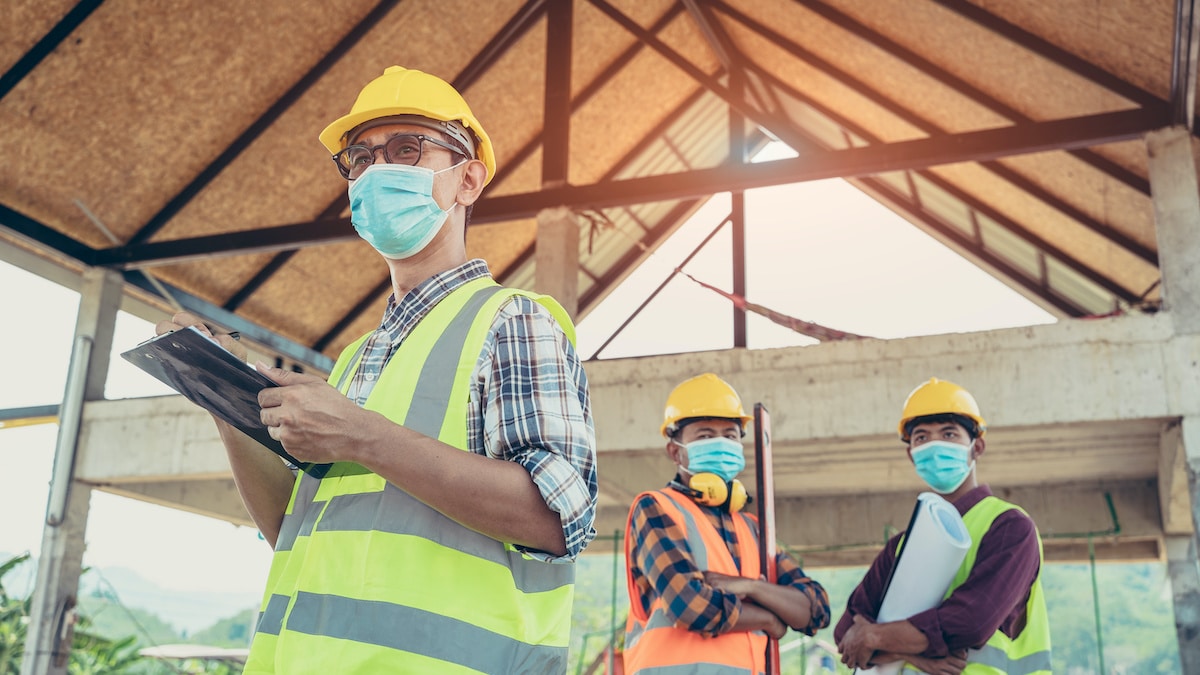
809,261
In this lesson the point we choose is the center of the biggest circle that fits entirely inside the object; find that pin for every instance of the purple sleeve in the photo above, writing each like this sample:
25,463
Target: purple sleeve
868,595
994,594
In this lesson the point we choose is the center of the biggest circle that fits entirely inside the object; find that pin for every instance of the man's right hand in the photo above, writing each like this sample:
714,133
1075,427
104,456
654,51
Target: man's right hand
182,320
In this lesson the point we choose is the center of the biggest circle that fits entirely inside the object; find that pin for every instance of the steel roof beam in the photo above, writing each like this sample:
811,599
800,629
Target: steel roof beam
977,204
1183,64
976,146
965,88
247,137
49,42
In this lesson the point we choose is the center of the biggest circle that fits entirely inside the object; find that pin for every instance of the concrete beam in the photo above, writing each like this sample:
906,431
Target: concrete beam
215,498
557,270
1078,403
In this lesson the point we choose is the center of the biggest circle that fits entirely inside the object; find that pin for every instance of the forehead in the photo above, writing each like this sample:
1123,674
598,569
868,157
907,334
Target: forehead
938,427
378,134
714,426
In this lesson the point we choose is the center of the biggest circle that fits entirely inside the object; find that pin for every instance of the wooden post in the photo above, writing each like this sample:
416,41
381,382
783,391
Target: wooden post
765,485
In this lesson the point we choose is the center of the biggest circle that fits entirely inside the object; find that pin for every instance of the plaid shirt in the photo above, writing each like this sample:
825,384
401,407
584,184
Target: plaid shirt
662,565
529,397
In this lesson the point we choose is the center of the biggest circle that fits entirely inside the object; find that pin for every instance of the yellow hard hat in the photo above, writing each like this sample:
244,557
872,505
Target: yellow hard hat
703,396
402,91
939,397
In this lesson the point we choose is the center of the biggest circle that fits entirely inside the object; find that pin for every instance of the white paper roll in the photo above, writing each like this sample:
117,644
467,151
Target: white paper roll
934,547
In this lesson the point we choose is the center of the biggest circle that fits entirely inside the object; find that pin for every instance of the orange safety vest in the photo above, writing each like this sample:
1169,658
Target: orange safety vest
652,641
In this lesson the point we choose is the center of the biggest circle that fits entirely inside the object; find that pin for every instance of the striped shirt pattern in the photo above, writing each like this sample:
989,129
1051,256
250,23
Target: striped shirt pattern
662,565
529,398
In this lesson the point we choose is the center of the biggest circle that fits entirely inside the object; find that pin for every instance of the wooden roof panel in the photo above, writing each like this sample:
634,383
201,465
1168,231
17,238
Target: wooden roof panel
137,113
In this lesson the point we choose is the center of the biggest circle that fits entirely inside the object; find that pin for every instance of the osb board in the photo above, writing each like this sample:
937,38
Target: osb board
1131,39
1032,85
1106,199
286,176
316,289
1061,232
127,114
939,107
23,23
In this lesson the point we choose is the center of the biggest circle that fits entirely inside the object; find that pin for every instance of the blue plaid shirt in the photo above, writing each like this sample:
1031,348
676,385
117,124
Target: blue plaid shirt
529,397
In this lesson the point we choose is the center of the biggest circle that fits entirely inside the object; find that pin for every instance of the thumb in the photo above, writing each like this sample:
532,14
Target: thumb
285,377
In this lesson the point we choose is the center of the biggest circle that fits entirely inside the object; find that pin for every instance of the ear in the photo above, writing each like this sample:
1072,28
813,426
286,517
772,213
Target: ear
979,446
673,451
474,176
908,451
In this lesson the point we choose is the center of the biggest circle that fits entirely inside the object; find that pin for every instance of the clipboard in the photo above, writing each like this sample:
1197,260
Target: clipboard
208,375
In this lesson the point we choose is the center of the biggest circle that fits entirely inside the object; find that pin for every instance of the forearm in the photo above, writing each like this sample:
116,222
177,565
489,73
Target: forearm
790,604
898,637
755,617
493,497
263,481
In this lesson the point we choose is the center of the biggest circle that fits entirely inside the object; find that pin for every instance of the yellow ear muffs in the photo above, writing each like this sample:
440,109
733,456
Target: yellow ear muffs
708,489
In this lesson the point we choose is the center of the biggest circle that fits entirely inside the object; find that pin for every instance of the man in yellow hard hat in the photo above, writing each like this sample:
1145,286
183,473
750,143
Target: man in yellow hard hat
455,443
698,600
994,618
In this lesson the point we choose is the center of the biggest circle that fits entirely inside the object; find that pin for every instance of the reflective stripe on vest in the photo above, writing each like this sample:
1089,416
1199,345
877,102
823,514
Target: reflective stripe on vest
653,644
1029,653
367,578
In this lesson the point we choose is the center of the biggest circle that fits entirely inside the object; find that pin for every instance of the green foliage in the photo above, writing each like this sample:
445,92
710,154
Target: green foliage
233,632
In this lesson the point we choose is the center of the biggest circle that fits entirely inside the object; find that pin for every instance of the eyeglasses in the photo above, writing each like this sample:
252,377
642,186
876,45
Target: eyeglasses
401,149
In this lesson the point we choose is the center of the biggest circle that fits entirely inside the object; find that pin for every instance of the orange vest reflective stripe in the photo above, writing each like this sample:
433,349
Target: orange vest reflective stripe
652,642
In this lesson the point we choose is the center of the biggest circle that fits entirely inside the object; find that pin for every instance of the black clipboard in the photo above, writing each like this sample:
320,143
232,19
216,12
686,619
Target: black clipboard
208,375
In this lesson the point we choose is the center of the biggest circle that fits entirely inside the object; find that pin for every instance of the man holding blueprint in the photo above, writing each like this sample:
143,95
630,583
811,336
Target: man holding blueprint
993,618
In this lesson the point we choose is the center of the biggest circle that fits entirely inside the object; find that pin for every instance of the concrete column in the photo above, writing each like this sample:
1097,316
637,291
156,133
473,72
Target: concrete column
1177,223
557,265
52,615
1185,591
1181,557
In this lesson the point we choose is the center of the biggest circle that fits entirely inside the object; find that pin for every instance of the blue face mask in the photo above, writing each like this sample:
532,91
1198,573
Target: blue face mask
723,456
944,466
392,208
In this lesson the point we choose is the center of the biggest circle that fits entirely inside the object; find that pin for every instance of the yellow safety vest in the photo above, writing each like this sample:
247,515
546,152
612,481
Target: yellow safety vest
1029,653
367,579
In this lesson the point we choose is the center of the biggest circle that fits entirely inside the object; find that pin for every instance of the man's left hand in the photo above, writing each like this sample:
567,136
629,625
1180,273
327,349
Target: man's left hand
855,645
739,586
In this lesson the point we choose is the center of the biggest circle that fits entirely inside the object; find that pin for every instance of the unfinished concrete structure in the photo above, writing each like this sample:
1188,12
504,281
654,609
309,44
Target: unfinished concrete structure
1050,143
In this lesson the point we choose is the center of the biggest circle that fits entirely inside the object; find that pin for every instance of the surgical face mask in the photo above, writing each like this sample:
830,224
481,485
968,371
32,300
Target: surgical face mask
944,466
722,456
392,208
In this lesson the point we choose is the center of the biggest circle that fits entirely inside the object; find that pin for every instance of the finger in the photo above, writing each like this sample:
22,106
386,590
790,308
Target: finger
286,378
273,432
165,326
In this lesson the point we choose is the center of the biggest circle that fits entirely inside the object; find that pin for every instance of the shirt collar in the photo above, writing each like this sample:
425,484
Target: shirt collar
974,496
427,294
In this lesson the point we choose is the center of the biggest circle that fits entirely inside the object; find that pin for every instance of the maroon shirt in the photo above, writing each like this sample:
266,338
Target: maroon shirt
992,597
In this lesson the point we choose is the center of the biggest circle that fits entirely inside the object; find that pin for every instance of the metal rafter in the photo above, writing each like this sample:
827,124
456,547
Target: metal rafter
247,137
556,111
49,42
1112,234
976,146
931,69
973,203
1183,64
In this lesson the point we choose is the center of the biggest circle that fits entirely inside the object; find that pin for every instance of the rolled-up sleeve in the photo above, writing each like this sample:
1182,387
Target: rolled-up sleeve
537,413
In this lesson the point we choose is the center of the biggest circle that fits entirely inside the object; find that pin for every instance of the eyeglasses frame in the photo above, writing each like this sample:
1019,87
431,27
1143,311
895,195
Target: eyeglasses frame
421,140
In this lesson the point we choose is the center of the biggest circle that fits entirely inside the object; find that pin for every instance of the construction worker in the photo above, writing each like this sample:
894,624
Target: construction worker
993,619
455,443
699,602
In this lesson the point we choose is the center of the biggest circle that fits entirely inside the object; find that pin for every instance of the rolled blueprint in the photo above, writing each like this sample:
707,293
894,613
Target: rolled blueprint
934,547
